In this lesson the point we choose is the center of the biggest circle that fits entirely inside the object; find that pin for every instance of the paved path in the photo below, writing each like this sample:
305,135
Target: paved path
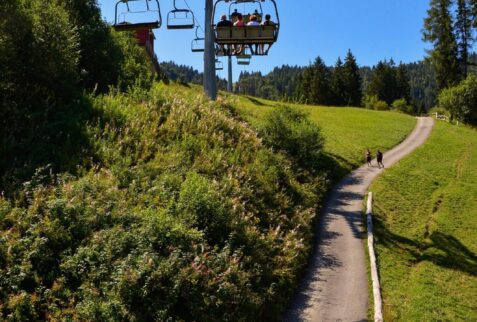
335,287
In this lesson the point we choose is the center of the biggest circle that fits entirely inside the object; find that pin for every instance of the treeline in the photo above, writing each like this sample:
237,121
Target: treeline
346,84
185,74
281,84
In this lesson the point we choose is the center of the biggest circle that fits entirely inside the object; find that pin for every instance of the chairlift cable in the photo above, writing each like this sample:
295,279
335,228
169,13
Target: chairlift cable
196,21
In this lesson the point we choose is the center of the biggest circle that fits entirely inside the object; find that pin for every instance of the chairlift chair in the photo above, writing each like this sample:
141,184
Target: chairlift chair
180,18
150,7
219,65
247,35
197,45
244,60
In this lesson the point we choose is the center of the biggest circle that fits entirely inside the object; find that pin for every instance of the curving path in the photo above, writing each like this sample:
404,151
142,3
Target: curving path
335,287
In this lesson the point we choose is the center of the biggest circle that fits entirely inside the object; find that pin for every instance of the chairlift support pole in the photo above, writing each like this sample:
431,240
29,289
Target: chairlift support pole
210,83
230,78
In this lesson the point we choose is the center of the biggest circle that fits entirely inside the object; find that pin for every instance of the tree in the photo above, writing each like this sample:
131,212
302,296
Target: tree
461,100
438,30
383,83
463,30
338,84
403,88
352,80
315,87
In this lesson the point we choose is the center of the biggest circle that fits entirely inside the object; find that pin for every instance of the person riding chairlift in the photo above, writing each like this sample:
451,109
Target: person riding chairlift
253,23
224,23
267,22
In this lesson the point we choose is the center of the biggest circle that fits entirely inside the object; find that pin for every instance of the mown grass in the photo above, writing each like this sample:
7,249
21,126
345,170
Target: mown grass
348,131
426,229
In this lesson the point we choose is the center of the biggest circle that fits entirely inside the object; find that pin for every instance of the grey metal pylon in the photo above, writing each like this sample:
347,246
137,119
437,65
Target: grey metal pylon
230,78
210,82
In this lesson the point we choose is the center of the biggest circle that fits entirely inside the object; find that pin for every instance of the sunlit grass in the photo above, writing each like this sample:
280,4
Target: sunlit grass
348,131
426,211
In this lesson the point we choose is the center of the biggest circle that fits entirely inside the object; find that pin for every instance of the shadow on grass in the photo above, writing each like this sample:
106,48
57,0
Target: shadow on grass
441,249
256,101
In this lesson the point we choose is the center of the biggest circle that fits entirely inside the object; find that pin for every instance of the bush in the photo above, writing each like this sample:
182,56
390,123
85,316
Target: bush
373,103
402,106
461,100
184,215
289,130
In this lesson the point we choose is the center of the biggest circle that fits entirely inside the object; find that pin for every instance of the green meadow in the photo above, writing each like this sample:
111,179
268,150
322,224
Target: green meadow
348,131
426,230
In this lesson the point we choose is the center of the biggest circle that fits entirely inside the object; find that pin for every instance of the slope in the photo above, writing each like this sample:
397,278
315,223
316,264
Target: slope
426,230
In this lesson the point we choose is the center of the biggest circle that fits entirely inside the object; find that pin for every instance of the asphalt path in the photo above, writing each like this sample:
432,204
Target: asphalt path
335,286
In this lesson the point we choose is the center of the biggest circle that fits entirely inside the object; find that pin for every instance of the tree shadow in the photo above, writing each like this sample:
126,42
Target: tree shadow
441,249
54,141
256,101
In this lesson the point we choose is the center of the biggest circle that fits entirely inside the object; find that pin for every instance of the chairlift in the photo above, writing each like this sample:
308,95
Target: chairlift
244,59
150,7
219,65
197,45
180,18
247,35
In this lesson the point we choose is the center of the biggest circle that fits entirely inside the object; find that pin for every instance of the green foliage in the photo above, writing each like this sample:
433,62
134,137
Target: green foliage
372,102
461,100
134,69
315,86
402,106
439,30
183,214
289,130
352,81
51,51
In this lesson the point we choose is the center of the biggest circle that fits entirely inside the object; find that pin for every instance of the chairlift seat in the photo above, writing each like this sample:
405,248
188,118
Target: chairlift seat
136,26
187,16
245,35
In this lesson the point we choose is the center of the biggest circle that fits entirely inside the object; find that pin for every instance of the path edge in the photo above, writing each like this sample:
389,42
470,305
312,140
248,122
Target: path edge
378,302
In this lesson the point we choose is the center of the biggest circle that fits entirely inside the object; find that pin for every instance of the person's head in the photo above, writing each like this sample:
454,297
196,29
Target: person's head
239,16
253,18
268,17
223,17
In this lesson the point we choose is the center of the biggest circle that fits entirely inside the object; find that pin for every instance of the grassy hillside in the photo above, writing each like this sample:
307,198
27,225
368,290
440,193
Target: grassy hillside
348,131
426,212
176,209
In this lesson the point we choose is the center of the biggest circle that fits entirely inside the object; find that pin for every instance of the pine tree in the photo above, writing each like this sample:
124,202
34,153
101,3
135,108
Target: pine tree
352,79
338,84
438,29
463,29
403,88
315,88
383,83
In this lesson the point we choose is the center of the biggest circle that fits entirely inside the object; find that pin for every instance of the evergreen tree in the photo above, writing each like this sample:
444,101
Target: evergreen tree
438,29
403,88
383,83
338,84
315,85
463,29
352,79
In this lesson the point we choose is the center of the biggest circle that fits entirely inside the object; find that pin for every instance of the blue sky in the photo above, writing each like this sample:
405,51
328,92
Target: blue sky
372,29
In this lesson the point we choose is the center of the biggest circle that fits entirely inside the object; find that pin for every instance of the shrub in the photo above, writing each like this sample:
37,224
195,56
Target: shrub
373,103
289,130
402,106
183,215
461,100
